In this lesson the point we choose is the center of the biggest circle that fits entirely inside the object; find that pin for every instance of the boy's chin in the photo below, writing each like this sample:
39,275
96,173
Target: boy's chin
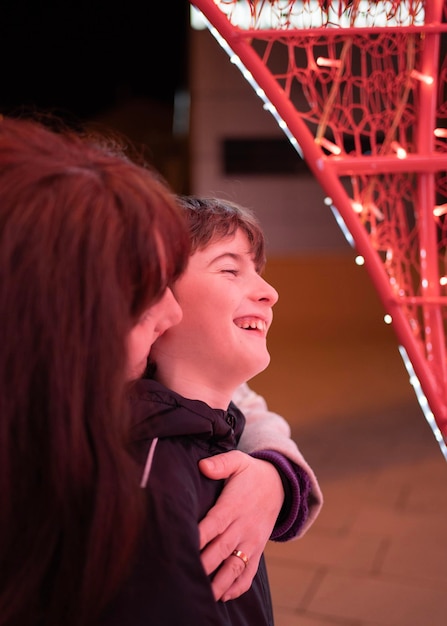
257,367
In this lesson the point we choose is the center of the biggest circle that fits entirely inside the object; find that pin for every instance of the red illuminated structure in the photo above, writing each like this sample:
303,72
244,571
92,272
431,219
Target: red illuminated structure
360,89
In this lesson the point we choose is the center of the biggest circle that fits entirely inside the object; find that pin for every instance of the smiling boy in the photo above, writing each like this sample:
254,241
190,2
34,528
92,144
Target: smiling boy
227,311
184,414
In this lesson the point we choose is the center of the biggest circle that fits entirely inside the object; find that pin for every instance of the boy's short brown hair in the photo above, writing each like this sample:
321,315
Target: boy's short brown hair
210,219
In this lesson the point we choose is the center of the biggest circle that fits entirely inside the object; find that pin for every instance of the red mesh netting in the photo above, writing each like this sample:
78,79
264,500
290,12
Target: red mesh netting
364,93
293,14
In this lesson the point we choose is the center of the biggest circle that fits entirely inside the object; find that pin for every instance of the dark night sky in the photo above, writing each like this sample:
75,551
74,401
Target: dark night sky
85,56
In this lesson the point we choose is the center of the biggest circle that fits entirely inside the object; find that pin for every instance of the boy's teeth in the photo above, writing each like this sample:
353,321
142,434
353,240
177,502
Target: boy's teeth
259,324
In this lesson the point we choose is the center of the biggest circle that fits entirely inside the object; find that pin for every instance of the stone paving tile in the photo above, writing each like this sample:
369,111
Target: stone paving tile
283,617
379,600
292,583
418,557
391,522
354,551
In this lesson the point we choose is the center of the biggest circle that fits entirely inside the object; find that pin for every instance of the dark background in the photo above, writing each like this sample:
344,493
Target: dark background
119,65
86,56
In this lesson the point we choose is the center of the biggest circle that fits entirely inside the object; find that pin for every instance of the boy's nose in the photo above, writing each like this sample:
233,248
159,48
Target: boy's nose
269,293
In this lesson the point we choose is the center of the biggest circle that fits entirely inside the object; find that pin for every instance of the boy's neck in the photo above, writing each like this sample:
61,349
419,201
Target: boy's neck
217,396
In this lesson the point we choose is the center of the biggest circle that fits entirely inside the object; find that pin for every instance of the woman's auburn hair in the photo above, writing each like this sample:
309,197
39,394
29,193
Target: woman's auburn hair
88,241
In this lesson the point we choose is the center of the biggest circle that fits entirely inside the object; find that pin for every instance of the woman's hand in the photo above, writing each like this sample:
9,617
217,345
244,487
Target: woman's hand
242,519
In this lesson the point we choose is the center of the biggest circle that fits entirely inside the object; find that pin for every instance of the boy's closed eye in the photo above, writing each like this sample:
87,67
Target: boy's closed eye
233,271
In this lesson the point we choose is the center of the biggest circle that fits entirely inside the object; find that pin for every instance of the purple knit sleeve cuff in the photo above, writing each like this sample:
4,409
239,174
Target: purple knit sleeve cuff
297,487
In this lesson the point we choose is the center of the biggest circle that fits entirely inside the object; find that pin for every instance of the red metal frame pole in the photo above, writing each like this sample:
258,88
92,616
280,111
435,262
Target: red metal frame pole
238,42
430,285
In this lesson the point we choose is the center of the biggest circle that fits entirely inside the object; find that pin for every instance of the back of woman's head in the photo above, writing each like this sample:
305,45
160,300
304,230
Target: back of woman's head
210,219
88,241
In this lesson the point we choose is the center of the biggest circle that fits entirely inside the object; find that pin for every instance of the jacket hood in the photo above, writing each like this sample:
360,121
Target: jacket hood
160,412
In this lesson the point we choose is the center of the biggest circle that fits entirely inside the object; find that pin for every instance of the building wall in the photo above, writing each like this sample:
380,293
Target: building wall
224,106
322,292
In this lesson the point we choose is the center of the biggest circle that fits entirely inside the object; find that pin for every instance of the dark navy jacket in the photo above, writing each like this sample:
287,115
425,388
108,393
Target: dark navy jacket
168,586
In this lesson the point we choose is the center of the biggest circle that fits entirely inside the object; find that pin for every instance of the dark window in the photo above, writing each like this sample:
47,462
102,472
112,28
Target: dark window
261,156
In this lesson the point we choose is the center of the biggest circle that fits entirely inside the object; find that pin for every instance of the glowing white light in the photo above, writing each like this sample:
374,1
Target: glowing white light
401,153
374,209
295,144
328,145
387,319
309,14
359,260
341,223
439,210
323,62
247,75
423,402
424,78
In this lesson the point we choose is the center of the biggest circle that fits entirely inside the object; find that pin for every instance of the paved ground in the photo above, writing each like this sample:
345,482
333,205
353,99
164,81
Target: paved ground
376,556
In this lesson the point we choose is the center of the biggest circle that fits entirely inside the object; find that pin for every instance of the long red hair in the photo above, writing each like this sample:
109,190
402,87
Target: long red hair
88,241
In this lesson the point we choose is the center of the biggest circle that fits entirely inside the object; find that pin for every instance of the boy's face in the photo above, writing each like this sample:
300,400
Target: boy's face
227,311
